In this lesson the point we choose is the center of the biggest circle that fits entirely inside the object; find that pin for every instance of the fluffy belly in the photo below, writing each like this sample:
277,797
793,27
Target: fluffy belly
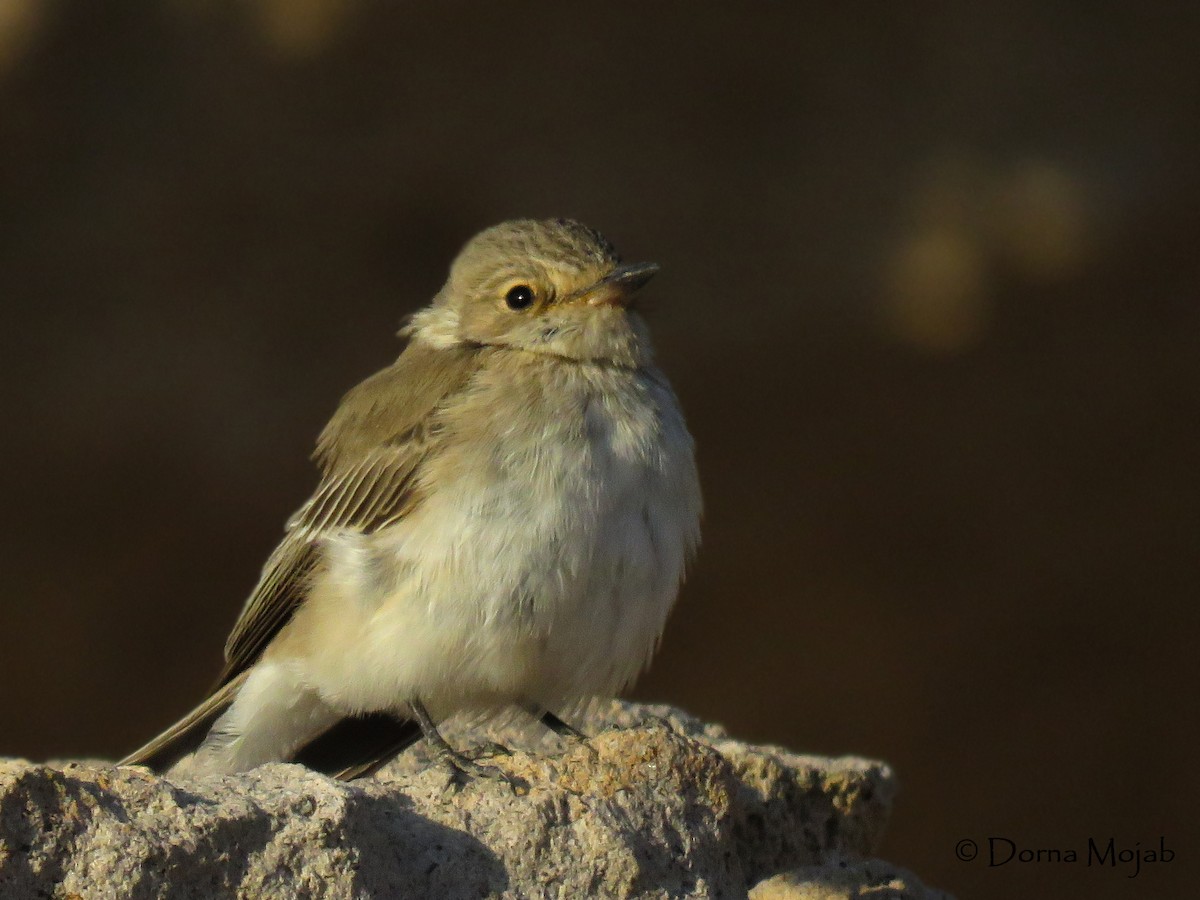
484,597
539,566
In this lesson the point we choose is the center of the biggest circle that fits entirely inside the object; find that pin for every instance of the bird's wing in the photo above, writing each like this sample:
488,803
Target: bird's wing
371,454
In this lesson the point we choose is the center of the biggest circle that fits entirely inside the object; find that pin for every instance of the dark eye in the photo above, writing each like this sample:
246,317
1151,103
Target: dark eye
519,297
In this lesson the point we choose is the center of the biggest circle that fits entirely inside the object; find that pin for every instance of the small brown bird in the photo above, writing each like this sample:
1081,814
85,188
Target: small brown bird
503,518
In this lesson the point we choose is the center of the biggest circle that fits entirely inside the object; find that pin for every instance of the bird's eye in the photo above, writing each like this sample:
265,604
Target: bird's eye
519,297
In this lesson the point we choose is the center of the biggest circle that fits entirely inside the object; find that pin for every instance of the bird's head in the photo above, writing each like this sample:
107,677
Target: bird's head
550,286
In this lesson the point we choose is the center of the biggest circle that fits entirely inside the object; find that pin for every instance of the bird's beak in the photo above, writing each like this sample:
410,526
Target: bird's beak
618,287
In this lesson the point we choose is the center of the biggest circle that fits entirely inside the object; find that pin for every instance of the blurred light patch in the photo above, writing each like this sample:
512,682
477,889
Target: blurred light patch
19,20
1040,225
970,221
935,296
303,28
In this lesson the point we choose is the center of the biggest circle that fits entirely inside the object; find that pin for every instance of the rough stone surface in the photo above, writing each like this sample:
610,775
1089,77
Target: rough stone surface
660,806
864,879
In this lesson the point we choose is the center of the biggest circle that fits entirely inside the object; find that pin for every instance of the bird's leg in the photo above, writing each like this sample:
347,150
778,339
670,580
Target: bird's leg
459,764
561,728
568,733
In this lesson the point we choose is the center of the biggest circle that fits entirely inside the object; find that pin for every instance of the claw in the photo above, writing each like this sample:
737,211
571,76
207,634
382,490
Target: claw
492,748
462,768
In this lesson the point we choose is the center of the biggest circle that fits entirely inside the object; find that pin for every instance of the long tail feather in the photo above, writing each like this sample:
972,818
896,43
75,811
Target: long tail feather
185,735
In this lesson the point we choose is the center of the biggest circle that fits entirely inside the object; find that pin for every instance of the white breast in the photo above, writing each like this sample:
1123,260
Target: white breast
547,553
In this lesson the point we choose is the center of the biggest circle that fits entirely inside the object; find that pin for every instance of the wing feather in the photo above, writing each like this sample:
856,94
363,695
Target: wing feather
370,454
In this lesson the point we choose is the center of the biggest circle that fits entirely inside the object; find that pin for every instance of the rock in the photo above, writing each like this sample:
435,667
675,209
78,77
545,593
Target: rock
662,806
846,880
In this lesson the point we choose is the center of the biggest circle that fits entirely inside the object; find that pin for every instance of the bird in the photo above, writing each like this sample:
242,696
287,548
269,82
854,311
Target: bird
503,519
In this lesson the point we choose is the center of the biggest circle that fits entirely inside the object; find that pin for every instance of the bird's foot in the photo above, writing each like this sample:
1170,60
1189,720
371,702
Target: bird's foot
570,735
462,768
492,748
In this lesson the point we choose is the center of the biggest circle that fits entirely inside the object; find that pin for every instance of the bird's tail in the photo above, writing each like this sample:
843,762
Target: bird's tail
352,748
188,733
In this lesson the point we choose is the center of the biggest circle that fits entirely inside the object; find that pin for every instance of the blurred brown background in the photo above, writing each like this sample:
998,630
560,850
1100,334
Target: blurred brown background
930,296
